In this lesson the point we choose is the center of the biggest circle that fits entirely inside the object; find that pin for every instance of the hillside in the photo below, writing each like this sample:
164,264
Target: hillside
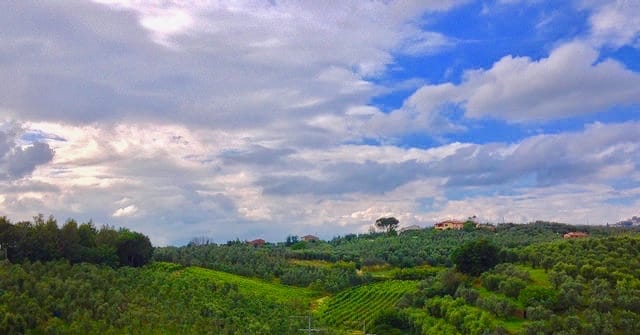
518,279
57,297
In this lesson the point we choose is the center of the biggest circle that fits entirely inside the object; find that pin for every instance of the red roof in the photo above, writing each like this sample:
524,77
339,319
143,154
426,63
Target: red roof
257,243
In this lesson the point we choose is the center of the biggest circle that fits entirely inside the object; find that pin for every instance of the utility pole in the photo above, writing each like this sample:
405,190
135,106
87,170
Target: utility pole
309,330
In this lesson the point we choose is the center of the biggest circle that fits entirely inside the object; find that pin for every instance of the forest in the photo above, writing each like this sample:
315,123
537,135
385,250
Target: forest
76,278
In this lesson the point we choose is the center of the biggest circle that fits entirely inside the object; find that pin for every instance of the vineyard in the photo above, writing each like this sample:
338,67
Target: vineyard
354,306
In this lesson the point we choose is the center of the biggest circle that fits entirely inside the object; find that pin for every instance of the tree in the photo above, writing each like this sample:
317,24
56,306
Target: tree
134,249
291,240
70,241
475,257
387,223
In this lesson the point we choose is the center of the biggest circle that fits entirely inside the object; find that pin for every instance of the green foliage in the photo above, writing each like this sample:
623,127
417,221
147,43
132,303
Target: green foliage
593,286
392,322
500,307
42,240
364,303
465,318
538,313
475,257
57,297
389,224
512,286
134,249
415,273
446,282
538,296
469,295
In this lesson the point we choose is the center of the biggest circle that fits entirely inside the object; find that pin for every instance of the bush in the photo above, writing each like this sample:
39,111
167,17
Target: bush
535,295
492,281
470,295
512,286
501,307
538,313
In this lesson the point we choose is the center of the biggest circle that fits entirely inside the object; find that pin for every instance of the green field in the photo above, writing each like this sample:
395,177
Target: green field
352,307
250,286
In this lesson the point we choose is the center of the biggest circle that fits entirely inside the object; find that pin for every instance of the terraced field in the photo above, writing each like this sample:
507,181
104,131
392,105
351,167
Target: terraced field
352,307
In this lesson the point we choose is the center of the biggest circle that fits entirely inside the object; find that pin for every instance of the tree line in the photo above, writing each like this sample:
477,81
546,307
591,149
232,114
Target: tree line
42,240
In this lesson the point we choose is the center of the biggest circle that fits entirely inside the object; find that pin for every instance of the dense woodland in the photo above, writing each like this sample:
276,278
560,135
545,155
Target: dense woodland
42,240
517,279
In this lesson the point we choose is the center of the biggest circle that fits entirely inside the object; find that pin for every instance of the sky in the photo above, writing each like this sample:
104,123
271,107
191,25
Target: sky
262,119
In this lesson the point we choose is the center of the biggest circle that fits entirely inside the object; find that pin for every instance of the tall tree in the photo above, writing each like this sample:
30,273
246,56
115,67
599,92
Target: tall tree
134,249
389,224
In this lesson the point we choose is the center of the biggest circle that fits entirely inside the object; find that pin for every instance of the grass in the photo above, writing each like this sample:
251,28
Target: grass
313,263
511,325
251,286
539,277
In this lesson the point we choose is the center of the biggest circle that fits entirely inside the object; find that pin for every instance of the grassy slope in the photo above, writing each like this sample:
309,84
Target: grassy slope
252,286
57,297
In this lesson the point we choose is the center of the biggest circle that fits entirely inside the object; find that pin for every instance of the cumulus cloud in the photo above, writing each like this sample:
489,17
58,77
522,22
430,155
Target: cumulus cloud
202,118
174,183
571,81
599,153
125,211
203,63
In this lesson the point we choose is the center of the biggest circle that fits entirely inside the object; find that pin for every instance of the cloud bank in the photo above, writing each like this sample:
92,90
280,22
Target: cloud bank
257,119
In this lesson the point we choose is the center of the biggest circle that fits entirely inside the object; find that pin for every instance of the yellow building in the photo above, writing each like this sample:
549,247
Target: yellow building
449,224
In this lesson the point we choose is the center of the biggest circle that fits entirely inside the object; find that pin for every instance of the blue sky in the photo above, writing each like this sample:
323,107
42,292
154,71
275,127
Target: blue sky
256,119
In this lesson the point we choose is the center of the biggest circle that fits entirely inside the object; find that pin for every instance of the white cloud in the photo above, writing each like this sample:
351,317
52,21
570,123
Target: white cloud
173,183
200,118
573,204
130,210
571,81
615,23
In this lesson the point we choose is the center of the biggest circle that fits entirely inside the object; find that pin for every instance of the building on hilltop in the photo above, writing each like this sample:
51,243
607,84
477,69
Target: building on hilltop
449,224
410,228
310,238
486,226
576,234
257,243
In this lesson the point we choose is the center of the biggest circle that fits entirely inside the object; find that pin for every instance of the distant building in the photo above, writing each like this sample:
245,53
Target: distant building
577,234
486,226
257,243
410,228
449,224
310,238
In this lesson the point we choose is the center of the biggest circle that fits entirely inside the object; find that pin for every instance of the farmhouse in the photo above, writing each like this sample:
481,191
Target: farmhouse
257,243
449,224
576,234
310,238
486,226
